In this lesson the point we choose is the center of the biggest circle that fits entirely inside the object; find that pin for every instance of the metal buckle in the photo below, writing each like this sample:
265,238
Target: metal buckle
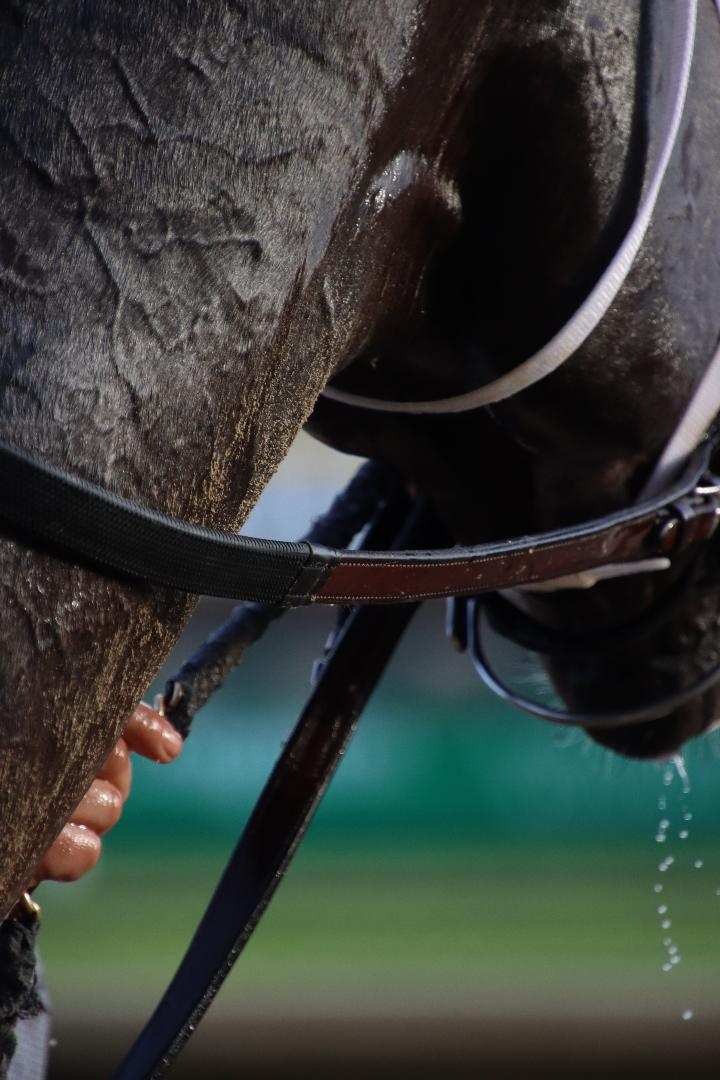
26,907
708,485
31,906
702,502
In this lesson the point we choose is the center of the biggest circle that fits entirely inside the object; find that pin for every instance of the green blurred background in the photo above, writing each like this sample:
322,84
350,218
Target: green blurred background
475,897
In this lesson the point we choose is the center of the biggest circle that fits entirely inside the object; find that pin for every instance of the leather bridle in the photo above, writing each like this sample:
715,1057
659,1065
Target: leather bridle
397,564
121,536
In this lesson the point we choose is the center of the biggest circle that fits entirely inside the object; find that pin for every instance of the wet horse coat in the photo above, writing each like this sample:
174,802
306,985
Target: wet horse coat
214,211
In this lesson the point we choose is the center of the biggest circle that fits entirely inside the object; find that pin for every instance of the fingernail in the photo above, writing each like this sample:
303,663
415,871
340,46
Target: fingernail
172,741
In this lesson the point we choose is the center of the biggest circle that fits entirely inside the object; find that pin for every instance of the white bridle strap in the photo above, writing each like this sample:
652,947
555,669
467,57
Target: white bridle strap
699,415
697,418
569,339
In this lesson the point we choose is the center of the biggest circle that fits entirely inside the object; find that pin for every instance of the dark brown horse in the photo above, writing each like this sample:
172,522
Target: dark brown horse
208,210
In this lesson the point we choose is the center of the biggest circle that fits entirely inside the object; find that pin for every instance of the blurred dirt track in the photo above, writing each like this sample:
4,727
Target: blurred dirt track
427,1050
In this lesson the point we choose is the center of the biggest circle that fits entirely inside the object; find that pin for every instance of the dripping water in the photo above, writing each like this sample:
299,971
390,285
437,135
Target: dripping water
672,956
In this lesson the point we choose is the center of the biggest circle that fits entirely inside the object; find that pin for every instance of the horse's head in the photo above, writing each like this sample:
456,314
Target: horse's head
209,209
582,442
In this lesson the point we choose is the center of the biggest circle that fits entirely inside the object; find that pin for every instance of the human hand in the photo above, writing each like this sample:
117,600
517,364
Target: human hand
78,847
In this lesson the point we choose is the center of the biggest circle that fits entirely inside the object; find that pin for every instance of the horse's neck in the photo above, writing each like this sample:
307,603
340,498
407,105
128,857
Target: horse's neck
190,240
166,208
159,224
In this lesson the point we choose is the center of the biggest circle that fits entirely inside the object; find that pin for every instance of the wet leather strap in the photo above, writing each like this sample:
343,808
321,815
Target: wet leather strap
41,502
359,654
414,575
271,836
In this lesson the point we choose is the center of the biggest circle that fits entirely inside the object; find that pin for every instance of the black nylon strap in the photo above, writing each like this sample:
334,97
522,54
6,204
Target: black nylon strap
271,836
88,520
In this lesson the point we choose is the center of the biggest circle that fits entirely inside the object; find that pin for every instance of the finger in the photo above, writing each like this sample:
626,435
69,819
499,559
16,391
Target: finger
100,809
75,852
118,768
152,735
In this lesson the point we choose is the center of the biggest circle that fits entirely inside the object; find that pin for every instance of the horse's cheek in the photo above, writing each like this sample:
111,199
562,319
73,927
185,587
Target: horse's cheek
77,651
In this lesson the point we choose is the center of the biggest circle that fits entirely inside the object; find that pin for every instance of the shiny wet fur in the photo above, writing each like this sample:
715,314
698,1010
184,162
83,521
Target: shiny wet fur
207,210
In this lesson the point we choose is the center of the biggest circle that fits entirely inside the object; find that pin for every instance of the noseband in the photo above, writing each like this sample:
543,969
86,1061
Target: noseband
479,616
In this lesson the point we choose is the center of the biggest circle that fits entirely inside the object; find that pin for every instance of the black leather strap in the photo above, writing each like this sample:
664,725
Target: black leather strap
121,536
363,646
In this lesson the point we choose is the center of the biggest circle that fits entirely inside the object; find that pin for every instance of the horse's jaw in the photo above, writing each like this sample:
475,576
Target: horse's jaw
77,651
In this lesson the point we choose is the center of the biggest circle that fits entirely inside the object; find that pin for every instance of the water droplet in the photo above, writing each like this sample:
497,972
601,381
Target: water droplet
672,949
658,888
667,942
698,864
687,816
667,967
662,803
666,924
667,777
679,763
675,959
662,909
660,838
664,824
717,892
688,1014
683,834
